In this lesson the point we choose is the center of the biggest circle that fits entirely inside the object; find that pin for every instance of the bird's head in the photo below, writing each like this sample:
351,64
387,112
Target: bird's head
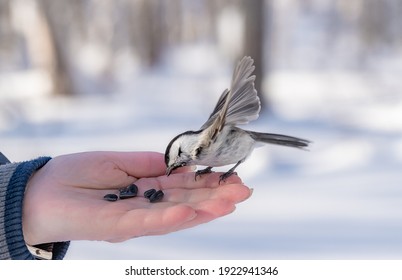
182,151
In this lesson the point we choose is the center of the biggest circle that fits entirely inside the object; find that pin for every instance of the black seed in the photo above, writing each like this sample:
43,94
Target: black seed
128,192
110,197
149,193
133,188
156,196
126,195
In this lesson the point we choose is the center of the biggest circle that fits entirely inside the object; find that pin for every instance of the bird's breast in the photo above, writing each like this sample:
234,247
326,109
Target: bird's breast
231,146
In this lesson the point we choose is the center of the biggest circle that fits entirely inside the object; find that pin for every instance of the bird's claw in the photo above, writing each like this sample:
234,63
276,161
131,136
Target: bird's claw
226,175
202,172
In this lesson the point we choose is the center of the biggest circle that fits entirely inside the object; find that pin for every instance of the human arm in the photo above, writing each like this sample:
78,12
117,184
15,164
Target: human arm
63,200
13,180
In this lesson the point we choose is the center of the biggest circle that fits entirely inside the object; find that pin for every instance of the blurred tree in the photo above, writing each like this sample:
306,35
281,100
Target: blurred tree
152,33
57,49
104,33
380,22
6,30
256,20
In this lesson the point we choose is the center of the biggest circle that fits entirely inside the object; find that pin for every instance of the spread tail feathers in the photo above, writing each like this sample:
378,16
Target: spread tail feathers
279,139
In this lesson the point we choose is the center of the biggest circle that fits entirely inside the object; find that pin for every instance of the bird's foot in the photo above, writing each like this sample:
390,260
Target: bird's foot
226,175
202,172
229,173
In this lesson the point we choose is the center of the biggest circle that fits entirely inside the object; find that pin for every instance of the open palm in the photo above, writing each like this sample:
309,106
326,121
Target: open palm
64,199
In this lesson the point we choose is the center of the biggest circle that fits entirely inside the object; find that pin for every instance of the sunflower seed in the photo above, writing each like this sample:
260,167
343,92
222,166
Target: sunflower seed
130,191
133,188
149,193
155,197
110,197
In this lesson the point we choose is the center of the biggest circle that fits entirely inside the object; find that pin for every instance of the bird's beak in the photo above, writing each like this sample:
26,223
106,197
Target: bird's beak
169,169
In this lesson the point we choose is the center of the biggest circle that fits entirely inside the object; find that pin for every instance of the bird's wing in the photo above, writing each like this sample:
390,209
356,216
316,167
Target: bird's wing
239,105
244,104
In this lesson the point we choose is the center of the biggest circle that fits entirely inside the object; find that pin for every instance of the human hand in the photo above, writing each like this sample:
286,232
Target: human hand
64,199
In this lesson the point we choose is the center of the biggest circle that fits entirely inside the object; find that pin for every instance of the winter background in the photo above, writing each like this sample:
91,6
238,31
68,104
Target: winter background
332,75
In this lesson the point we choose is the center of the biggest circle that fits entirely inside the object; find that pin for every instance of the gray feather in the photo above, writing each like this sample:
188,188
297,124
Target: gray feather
243,104
279,139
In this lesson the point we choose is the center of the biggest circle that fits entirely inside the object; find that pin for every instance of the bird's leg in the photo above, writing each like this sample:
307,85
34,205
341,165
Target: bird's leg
229,173
203,171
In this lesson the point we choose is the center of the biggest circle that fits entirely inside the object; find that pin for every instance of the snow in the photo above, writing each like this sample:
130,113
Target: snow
342,199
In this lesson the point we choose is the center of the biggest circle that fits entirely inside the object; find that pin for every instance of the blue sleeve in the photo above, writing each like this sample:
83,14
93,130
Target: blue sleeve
13,180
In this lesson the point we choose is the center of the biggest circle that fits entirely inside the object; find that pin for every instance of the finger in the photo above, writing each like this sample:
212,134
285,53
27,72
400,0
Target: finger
207,211
186,181
143,164
140,222
165,220
168,216
231,192
140,164
184,169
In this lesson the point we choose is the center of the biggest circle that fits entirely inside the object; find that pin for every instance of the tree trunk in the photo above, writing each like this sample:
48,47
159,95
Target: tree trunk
254,41
57,60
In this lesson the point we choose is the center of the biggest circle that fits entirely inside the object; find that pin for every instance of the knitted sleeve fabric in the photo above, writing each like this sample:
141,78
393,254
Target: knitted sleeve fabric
13,180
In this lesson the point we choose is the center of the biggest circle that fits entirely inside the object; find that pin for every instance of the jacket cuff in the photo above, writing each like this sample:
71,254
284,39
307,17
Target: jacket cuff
12,243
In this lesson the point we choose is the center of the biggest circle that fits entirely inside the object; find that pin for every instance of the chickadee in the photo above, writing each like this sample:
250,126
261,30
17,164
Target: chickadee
219,141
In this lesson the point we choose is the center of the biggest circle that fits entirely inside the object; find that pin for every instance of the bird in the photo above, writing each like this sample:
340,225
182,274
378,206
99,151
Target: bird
219,141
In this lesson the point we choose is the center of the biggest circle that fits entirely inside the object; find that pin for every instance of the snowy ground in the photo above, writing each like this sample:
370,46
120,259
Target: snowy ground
340,200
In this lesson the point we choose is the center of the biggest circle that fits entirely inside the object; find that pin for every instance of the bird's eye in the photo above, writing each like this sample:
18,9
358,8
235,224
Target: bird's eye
198,151
180,151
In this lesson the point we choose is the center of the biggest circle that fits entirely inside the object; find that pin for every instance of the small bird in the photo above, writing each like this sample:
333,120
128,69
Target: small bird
219,141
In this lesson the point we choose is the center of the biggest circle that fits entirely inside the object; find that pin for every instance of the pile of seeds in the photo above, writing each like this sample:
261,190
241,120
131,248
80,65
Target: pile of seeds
153,195
132,191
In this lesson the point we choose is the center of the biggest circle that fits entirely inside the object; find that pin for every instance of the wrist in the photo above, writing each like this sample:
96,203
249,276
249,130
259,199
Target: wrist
33,218
16,177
